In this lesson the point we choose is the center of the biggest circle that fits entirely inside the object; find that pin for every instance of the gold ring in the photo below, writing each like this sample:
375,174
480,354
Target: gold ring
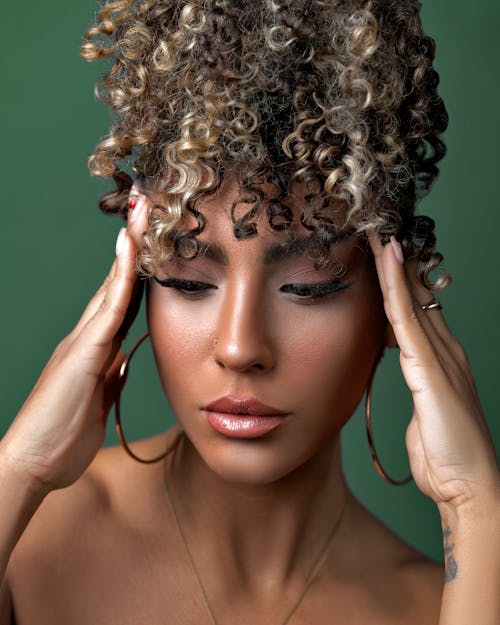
433,304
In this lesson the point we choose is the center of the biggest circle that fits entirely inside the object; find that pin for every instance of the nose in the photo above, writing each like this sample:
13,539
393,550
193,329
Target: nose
243,341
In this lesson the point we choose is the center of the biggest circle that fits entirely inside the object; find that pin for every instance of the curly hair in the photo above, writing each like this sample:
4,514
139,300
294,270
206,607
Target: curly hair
340,95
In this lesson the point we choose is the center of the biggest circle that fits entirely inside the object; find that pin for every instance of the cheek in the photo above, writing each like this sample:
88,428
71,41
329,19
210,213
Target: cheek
333,356
324,354
180,335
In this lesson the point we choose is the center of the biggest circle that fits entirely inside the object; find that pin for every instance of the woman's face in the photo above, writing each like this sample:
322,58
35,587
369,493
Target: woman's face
254,319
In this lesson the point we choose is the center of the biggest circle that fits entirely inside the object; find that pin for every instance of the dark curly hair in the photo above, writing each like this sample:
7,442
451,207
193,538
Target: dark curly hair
339,95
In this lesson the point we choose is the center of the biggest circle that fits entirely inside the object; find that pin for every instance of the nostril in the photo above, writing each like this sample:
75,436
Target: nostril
240,363
242,353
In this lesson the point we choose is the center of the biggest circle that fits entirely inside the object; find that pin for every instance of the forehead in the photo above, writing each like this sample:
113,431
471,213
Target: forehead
233,212
208,232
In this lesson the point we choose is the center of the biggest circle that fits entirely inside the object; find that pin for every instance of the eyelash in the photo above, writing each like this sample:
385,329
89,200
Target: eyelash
317,291
305,292
188,288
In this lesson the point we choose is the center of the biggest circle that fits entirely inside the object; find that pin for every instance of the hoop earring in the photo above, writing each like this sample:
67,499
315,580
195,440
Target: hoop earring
122,378
369,433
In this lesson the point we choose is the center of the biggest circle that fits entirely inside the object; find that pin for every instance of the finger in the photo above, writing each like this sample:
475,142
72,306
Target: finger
378,251
133,309
418,294
417,350
447,348
111,382
137,218
429,319
95,302
103,326
432,320
107,388
450,354
427,363
376,246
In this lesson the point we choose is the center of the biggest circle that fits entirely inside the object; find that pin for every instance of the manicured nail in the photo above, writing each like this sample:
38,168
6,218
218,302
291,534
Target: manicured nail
138,202
134,195
120,240
398,250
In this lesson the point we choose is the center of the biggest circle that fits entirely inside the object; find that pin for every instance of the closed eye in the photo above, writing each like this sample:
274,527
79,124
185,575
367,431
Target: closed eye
305,291
186,287
317,290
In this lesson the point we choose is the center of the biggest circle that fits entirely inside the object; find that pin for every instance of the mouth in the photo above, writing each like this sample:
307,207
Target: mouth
243,418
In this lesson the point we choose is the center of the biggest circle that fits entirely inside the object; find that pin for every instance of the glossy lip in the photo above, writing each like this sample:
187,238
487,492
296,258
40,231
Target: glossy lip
244,417
243,406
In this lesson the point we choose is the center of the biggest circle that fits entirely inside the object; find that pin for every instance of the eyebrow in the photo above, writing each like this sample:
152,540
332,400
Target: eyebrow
277,252
300,246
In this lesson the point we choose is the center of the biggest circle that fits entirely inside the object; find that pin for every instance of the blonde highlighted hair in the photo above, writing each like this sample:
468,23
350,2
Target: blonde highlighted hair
340,95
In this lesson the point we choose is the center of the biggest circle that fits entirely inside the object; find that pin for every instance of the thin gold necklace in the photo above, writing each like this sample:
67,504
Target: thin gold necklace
313,572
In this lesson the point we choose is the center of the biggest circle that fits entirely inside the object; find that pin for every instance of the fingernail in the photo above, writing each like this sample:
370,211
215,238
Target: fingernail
120,240
134,194
135,206
398,250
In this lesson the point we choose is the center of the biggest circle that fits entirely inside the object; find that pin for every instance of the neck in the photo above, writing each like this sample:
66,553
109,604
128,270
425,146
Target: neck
253,532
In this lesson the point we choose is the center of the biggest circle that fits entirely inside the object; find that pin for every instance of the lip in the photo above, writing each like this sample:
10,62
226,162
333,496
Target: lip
244,417
243,406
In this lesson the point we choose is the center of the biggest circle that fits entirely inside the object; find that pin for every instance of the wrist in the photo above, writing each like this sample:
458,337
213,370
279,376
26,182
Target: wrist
20,497
471,533
15,477
472,514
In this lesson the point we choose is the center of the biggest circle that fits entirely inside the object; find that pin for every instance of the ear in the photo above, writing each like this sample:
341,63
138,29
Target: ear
389,336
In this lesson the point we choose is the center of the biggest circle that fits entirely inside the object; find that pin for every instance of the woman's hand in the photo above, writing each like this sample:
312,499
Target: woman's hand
61,426
451,454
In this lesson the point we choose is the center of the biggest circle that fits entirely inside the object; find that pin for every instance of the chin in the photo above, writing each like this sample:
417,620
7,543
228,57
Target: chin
242,468
253,462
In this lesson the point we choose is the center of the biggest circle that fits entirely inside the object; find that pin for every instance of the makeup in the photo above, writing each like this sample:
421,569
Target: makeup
136,205
308,365
243,418
134,196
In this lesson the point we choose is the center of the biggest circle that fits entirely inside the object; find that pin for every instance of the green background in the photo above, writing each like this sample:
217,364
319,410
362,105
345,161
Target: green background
55,245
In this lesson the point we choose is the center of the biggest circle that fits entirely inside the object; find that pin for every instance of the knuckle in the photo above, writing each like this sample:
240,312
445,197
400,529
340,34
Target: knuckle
461,355
115,309
403,319
62,347
391,289
412,316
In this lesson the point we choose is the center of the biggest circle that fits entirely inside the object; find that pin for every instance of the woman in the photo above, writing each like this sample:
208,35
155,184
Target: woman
279,150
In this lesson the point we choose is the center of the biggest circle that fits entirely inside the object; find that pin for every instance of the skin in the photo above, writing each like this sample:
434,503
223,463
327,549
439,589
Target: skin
308,357
255,513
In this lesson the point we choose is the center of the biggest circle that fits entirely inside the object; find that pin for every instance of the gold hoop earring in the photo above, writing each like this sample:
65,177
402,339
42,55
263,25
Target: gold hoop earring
369,433
122,378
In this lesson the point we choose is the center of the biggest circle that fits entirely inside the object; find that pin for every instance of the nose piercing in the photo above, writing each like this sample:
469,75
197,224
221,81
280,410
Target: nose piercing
215,343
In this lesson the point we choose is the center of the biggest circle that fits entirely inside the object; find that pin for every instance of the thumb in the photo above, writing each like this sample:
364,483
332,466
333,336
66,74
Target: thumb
137,218
112,383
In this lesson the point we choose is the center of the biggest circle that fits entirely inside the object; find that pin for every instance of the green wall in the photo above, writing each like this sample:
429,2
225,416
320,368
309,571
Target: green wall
55,245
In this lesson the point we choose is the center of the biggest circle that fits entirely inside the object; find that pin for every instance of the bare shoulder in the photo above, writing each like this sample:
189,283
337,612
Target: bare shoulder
420,581
401,582
114,496
88,542
410,565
